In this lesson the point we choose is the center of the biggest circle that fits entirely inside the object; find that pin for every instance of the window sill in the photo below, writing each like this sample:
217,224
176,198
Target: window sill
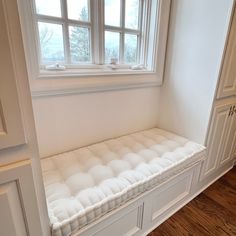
53,83
88,72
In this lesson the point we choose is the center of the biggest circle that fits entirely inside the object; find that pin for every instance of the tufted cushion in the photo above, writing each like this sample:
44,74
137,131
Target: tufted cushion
84,184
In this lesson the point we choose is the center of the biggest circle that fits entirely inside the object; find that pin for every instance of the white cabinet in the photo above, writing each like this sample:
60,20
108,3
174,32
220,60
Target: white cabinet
234,141
227,86
11,218
19,214
138,216
221,138
11,129
228,144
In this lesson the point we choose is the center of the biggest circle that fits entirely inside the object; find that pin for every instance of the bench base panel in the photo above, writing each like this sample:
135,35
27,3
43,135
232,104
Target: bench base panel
141,215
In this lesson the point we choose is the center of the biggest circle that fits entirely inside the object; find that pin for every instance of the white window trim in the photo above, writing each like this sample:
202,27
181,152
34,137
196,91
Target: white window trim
97,78
65,23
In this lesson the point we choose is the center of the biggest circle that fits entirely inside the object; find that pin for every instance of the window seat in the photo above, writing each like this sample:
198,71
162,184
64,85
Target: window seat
85,184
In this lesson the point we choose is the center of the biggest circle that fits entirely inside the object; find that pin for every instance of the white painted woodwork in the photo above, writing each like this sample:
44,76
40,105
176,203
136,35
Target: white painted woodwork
220,142
229,140
129,223
16,106
142,214
233,137
170,194
71,82
210,179
195,50
2,122
18,203
227,86
11,218
11,129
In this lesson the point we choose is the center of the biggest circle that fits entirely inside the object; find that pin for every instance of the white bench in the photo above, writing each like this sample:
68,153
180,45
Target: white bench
85,184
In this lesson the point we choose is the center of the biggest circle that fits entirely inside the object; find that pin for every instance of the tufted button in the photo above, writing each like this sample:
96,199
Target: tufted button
147,154
57,191
90,162
109,156
133,159
79,181
160,149
100,173
119,166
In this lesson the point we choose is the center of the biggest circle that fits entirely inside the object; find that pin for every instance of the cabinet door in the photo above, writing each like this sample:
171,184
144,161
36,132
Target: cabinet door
11,128
19,215
11,217
230,139
218,138
227,86
233,153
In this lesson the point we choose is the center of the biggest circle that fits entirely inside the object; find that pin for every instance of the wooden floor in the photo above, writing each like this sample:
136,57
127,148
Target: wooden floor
213,212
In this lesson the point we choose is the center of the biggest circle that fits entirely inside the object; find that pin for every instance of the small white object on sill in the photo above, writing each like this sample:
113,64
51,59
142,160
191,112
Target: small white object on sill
55,67
138,67
113,63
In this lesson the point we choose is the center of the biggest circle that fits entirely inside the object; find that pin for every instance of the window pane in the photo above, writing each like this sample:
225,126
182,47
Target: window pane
131,14
112,12
79,44
48,7
130,53
51,42
78,10
112,45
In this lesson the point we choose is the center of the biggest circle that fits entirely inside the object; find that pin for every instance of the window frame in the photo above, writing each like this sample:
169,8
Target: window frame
97,56
123,30
97,77
66,22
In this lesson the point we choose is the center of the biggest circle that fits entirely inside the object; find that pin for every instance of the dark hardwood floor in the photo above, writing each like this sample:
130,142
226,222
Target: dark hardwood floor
213,212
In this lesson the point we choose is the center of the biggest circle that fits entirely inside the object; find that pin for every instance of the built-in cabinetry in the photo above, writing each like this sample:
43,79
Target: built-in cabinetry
221,140
11,129
221,137
18,204
227,85
19,208
21,212
139,216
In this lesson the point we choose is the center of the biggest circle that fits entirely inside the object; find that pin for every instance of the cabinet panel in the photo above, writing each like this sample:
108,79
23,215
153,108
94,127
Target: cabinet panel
129,224
19,214
172,193
228,150
227,85
11,217
218,146
234,139
11,129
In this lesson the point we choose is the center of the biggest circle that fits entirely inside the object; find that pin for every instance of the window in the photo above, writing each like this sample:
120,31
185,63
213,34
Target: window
122,29
66,31
89,38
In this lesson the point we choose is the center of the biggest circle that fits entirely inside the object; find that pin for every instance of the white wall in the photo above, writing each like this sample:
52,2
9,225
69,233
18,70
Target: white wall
196,40
67,122
183,105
